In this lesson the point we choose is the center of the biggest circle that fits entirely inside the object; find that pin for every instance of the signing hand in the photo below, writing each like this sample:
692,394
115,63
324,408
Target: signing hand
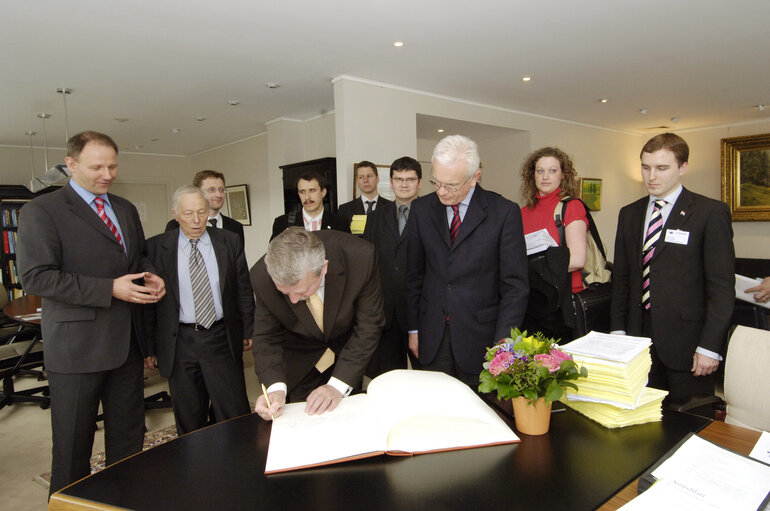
124,289
277,400
703,365
414,344
322,399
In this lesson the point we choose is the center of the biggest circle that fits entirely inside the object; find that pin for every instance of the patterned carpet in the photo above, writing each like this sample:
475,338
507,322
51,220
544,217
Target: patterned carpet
151,439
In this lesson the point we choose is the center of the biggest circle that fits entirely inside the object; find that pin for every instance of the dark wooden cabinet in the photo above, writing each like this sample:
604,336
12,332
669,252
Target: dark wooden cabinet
327,167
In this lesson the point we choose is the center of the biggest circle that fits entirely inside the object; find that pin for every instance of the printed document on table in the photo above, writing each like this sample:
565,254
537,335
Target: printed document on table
609,347
539,241
761,450
742,284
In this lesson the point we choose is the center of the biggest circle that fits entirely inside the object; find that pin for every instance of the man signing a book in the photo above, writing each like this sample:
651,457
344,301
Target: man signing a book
318,318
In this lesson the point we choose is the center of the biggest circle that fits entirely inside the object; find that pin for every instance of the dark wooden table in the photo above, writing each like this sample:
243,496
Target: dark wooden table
20,307
578,465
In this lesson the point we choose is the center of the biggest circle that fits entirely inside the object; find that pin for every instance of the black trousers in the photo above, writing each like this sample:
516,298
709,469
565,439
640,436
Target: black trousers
390,353
445,362
205,370
74,406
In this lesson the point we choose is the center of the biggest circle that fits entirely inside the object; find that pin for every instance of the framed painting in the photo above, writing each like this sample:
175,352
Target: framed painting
591,192
238,203
746,177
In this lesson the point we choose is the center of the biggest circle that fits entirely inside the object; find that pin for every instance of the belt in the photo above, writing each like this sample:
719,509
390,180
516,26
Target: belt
198,326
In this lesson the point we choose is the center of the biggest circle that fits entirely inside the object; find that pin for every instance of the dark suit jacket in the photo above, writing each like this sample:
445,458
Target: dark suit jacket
236,293
228,224
287,341
67,256
692,286
328,221
382,230
356,207
480,281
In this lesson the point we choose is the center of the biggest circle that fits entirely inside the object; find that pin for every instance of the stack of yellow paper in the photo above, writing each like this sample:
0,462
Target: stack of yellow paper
358,224
648,409
614,393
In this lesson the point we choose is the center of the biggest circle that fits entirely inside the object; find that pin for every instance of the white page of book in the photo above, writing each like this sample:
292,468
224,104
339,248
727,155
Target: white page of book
742,284
723,478
761,450
539,241
620,348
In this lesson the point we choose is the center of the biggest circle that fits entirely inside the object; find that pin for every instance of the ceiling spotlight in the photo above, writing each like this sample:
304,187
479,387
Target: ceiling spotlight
675,119
760,108
137,147
643,111
526,78
440,130
398,44
175,130
200,118
272,85
604,100
122,119
154,139
233,102
30,133
43,116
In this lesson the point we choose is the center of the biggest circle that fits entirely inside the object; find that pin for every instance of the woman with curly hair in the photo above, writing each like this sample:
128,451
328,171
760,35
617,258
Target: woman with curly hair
548,176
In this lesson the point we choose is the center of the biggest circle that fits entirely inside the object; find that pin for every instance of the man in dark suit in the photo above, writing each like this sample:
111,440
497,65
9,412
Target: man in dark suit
387,229
82,250
198,338
213,185
311,188
466,275
367,179
318,318
673,278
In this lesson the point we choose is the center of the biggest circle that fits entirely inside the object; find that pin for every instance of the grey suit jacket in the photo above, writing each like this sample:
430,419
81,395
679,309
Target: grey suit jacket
287,340
236,293
67,256
692,285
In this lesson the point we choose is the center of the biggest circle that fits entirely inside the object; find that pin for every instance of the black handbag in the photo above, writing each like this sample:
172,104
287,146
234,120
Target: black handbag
591,309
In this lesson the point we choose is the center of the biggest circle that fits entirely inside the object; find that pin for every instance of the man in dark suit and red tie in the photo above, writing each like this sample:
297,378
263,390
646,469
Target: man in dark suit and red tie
674,274
317,319
82,250
197,333
466,274
387,229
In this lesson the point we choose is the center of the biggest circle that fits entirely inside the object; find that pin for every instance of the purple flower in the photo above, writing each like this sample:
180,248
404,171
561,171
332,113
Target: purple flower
552,360
498,364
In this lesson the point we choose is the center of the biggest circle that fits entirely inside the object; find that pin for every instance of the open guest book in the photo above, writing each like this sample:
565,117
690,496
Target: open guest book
403,413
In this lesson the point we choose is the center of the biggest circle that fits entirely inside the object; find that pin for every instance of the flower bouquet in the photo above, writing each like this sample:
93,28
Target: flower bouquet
530,370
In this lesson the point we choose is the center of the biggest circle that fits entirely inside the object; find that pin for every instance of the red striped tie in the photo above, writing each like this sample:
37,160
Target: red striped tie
103,215
455,222
654,228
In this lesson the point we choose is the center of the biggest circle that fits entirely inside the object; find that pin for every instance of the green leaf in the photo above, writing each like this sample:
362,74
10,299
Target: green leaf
553,393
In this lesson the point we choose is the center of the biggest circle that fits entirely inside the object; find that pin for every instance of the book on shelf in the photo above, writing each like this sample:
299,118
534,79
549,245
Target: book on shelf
404,412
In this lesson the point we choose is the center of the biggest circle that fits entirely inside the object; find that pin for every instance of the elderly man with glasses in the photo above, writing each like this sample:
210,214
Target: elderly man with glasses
466,265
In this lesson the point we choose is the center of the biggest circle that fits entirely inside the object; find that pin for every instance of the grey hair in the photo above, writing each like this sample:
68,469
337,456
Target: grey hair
458,148
187,190
292,254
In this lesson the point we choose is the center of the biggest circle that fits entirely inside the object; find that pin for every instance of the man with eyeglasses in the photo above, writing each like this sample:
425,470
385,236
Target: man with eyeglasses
387,229
213,185
466,275
367,179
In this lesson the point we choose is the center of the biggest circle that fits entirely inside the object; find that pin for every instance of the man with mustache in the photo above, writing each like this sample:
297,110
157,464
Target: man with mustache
311,188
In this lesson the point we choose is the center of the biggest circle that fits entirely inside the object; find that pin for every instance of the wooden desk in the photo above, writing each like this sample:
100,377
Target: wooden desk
578,465
738,439
27,304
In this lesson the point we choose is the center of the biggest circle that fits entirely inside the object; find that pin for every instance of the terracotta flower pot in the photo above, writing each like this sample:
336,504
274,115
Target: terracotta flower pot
531,419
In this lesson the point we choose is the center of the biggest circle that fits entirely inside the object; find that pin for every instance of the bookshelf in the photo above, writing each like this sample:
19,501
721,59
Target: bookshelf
12,198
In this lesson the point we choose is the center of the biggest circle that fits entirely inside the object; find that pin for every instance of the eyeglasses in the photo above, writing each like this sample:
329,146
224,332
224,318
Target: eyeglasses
404,180
450,188
214,189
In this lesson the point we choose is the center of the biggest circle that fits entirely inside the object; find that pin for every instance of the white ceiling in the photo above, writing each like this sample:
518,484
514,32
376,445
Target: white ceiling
161,64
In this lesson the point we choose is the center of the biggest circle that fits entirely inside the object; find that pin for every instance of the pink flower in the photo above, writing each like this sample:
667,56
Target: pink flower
552,360
497,365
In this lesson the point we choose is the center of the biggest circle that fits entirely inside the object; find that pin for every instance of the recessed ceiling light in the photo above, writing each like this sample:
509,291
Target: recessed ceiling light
526,78
200,118
440,130
233,102
675,119
272,85
604,100
30,133
643,111
122,119
760,108
137,147
398,44
154,139
43,116
175,130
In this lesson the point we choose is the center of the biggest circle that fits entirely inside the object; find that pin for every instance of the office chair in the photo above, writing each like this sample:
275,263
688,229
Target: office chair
748,356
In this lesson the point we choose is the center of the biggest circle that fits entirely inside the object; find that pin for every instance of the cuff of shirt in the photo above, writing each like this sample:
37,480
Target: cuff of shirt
278,386
708,353
413,331
618,332
341,386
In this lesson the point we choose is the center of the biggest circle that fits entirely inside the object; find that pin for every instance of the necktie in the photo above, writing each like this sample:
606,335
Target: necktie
201,288
103,215
316,307
213,222
402,218
455,226
654,228
369,205
314,225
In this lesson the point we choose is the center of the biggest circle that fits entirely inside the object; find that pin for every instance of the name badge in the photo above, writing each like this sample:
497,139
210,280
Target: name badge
677,236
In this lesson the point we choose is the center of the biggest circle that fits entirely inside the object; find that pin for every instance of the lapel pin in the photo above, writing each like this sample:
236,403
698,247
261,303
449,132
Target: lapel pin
681,212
